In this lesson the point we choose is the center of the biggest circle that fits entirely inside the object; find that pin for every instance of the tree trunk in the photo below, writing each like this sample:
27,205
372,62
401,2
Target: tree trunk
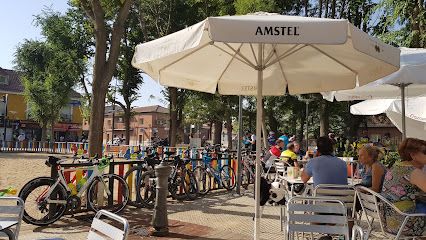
173,116
306,5
326,9
320,8
96,124
324,117
333,9
43,132
273,122
342,9
229,131
52,136
217,132
107,51
127,117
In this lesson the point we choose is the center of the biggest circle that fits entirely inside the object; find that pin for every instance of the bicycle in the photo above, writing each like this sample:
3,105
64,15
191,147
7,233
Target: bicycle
51,197
248,173
149,162
205,174
182,183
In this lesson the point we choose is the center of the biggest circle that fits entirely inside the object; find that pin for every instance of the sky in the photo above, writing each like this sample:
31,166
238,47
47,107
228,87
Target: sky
17,24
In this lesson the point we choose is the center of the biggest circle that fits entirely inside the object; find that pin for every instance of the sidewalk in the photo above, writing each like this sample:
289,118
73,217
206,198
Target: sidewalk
219,215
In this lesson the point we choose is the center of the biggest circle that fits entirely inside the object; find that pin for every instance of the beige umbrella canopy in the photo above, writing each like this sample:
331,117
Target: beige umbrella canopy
264,55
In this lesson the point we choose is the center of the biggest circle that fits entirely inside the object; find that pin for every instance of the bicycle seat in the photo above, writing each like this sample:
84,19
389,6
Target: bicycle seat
52,161
168,154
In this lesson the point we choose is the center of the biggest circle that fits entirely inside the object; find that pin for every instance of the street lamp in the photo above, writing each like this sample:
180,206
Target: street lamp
306,100
4,100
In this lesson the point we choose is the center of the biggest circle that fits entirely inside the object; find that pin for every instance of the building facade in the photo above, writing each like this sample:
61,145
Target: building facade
145,123
18,121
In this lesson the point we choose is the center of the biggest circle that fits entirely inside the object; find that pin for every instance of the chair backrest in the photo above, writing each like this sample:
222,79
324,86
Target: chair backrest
372,204
316,215
344,193
281,167
101,230
12,209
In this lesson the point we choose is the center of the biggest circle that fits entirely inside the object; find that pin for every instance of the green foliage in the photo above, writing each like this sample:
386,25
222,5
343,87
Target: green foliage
48,75
401,22
251,6
390,159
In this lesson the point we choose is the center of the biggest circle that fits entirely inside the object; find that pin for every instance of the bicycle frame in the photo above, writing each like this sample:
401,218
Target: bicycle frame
61,179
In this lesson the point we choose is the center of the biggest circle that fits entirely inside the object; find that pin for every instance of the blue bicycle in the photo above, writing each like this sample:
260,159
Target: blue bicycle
206,175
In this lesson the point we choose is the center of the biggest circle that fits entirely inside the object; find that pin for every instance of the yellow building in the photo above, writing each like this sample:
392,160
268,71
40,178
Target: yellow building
18,121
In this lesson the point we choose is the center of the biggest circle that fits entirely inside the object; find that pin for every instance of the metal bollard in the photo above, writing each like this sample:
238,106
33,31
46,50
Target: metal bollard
159,219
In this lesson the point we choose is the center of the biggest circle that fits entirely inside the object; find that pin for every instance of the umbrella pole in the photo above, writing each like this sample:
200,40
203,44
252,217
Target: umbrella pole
240,138
259,110
404,129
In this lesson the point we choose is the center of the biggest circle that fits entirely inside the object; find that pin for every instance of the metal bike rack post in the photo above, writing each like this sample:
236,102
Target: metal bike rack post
159,219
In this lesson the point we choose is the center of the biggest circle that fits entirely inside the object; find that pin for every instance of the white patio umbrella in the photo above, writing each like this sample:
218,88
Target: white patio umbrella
265,54
408,81
415,114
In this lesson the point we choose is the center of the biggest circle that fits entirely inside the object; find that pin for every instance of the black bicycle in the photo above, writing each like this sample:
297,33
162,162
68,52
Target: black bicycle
182,183
134,174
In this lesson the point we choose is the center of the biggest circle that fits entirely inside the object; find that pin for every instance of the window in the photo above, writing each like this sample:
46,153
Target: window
3,80
66,113
141,121
109,122
120,120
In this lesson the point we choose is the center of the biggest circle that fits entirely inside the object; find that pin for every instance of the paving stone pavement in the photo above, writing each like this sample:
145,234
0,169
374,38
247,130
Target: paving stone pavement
219,215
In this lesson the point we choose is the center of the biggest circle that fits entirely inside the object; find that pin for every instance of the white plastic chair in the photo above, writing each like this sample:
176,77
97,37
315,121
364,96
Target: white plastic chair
11,211
316,215
101,230
344,193
372,204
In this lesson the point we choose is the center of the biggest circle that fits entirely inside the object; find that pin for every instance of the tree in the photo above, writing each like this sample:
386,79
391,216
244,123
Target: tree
401,22
130,77
108,21
71,32
48,74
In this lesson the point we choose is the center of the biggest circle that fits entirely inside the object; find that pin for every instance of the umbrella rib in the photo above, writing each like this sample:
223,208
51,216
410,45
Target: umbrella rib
241,60
334,59
254,54
229,63
242,56
184,56
282,69
286,54
271,54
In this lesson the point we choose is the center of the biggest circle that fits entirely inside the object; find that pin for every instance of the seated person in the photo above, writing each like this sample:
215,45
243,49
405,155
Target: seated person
273,153
289,155
325,168
401,187
373,172
300,153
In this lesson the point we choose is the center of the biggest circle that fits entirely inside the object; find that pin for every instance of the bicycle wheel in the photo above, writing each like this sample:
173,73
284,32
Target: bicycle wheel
145,189
108,192
203,179
132,177
37,210
245,178
177,186
227,177
191,186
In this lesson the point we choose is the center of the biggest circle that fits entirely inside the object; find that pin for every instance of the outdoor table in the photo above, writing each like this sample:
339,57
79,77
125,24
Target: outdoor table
4,227
310,183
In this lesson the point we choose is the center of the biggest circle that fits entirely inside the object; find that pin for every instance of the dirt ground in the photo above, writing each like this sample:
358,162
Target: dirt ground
16,169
